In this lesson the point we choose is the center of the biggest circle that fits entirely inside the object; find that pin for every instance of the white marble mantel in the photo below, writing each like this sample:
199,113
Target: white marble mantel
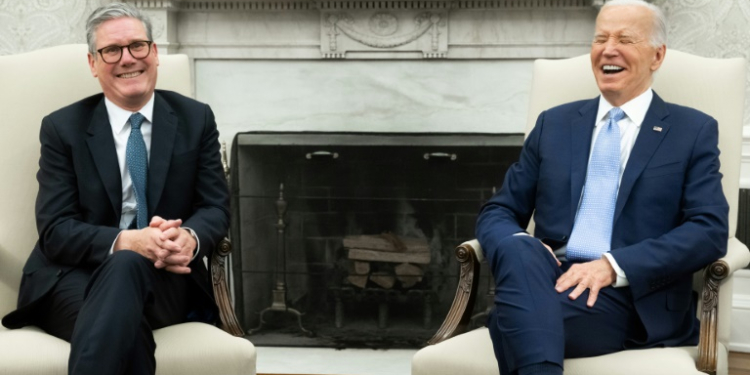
358,65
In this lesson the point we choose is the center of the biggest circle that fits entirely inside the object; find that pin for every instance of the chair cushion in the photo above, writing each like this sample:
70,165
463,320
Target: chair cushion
472,354
183,349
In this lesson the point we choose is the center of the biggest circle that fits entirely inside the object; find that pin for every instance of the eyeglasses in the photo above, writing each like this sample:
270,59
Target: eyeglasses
138,49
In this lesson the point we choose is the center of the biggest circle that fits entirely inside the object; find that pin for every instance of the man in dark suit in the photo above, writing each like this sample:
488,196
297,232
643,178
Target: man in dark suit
626,194
132,198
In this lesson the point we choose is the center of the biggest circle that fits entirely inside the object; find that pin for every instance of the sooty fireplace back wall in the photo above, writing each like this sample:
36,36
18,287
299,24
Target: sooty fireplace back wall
369,223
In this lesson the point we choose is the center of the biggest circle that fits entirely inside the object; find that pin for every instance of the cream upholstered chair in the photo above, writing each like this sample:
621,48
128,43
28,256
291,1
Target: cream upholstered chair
33,85
714,86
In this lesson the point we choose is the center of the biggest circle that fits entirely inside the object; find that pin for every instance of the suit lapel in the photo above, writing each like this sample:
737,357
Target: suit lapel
646,143
101,144
163,133
581,130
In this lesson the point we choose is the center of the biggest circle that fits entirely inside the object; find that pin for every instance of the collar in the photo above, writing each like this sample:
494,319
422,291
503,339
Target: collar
635,109
119,117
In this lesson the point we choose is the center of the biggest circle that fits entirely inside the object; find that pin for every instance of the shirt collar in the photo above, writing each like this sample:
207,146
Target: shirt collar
635,109
119,117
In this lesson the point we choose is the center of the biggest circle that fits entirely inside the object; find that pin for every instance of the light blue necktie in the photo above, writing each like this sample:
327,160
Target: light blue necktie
592,231
137,159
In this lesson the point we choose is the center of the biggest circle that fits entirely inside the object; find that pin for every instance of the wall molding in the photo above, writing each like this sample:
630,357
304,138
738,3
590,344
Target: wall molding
260,5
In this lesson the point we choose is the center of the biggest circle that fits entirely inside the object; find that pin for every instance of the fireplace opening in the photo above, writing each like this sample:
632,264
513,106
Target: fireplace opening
347,240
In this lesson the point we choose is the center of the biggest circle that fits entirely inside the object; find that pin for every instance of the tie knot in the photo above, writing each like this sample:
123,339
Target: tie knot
616,114
136,119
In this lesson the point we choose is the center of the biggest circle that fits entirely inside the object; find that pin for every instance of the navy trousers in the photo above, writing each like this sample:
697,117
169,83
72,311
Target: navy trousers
108,314
533,323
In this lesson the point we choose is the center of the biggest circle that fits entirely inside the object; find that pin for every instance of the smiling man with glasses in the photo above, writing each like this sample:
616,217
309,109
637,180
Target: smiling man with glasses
132,198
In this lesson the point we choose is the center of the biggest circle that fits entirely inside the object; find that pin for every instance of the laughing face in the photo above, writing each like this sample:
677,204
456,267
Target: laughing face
622,56
130,82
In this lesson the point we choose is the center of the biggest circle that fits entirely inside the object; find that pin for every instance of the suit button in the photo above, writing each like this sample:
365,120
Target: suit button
564,238
59,272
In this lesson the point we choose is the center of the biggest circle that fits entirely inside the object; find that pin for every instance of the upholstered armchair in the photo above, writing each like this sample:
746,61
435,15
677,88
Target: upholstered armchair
33,85
714,86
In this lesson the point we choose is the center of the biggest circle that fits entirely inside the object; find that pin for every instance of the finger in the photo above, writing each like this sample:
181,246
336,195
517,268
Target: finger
177,260
155,222
170,224
169,233
159,264
593,294
182,270
577,292
565,281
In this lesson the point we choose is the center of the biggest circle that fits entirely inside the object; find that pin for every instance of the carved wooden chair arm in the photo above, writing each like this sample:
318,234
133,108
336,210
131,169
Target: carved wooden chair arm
469,255
737,257
227,319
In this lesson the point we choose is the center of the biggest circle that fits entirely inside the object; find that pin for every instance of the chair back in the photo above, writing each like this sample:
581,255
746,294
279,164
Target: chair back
713,86
33,85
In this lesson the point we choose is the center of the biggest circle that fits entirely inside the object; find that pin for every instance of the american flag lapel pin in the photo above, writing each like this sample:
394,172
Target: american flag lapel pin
657,128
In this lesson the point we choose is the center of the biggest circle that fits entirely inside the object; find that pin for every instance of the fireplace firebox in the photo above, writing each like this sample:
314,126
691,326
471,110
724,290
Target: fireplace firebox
347,239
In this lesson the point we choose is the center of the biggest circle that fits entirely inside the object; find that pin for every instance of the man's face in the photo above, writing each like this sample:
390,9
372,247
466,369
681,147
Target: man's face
130,82
622,56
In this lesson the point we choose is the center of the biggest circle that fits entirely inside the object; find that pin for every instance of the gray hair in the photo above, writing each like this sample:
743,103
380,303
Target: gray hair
110,12
659,29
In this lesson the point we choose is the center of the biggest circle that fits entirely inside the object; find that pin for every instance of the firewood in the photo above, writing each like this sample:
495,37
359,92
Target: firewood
387,242
408,274
383,256
358,272
361,268
383,279
359,281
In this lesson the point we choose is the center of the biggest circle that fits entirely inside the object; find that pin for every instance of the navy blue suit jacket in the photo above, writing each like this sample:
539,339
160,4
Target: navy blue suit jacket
670,216
79,203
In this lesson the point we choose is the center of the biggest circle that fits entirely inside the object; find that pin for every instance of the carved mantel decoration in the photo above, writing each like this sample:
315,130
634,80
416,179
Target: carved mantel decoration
367,29
384,31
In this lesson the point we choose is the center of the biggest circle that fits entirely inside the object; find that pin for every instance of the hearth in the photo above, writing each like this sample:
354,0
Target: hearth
356,232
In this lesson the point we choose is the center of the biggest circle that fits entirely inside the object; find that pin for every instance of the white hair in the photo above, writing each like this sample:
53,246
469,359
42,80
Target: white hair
659,29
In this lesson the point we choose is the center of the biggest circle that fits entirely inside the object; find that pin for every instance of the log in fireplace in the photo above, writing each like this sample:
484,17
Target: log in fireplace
346,239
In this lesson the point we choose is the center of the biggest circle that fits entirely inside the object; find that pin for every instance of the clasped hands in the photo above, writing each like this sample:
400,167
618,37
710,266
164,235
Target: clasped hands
593,275
164,242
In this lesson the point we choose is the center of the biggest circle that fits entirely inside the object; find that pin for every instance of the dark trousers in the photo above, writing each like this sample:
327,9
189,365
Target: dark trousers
533,323
108,314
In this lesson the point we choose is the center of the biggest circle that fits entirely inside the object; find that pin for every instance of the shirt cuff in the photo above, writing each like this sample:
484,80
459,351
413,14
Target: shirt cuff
197,242
621,279
112,248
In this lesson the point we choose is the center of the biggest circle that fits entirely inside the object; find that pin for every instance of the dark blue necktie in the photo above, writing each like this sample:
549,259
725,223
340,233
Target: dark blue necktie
137,159
592,231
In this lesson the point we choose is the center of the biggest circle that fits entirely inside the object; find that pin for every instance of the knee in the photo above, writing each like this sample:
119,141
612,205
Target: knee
126,261
517,253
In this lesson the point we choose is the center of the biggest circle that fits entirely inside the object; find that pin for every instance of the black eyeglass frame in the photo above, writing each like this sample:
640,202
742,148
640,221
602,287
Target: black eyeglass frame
148,45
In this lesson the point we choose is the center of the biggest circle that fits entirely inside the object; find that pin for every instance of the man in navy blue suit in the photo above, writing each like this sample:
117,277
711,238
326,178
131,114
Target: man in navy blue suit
132,198
626,195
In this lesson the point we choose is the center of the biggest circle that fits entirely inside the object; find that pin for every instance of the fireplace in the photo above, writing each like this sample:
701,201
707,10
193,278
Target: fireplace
346,239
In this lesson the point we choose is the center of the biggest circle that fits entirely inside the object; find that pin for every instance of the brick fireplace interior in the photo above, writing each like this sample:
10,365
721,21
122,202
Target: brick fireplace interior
394,205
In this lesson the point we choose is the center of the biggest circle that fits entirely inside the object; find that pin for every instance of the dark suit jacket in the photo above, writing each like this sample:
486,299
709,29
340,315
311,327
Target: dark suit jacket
79,202
670,216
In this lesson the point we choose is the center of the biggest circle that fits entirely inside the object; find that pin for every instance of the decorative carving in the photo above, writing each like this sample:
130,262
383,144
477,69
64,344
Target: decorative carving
383,24
344,23
459,315
379,32
708,346
227,318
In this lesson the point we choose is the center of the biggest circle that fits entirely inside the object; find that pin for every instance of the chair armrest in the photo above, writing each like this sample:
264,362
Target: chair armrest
737,257
456,322
227,319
